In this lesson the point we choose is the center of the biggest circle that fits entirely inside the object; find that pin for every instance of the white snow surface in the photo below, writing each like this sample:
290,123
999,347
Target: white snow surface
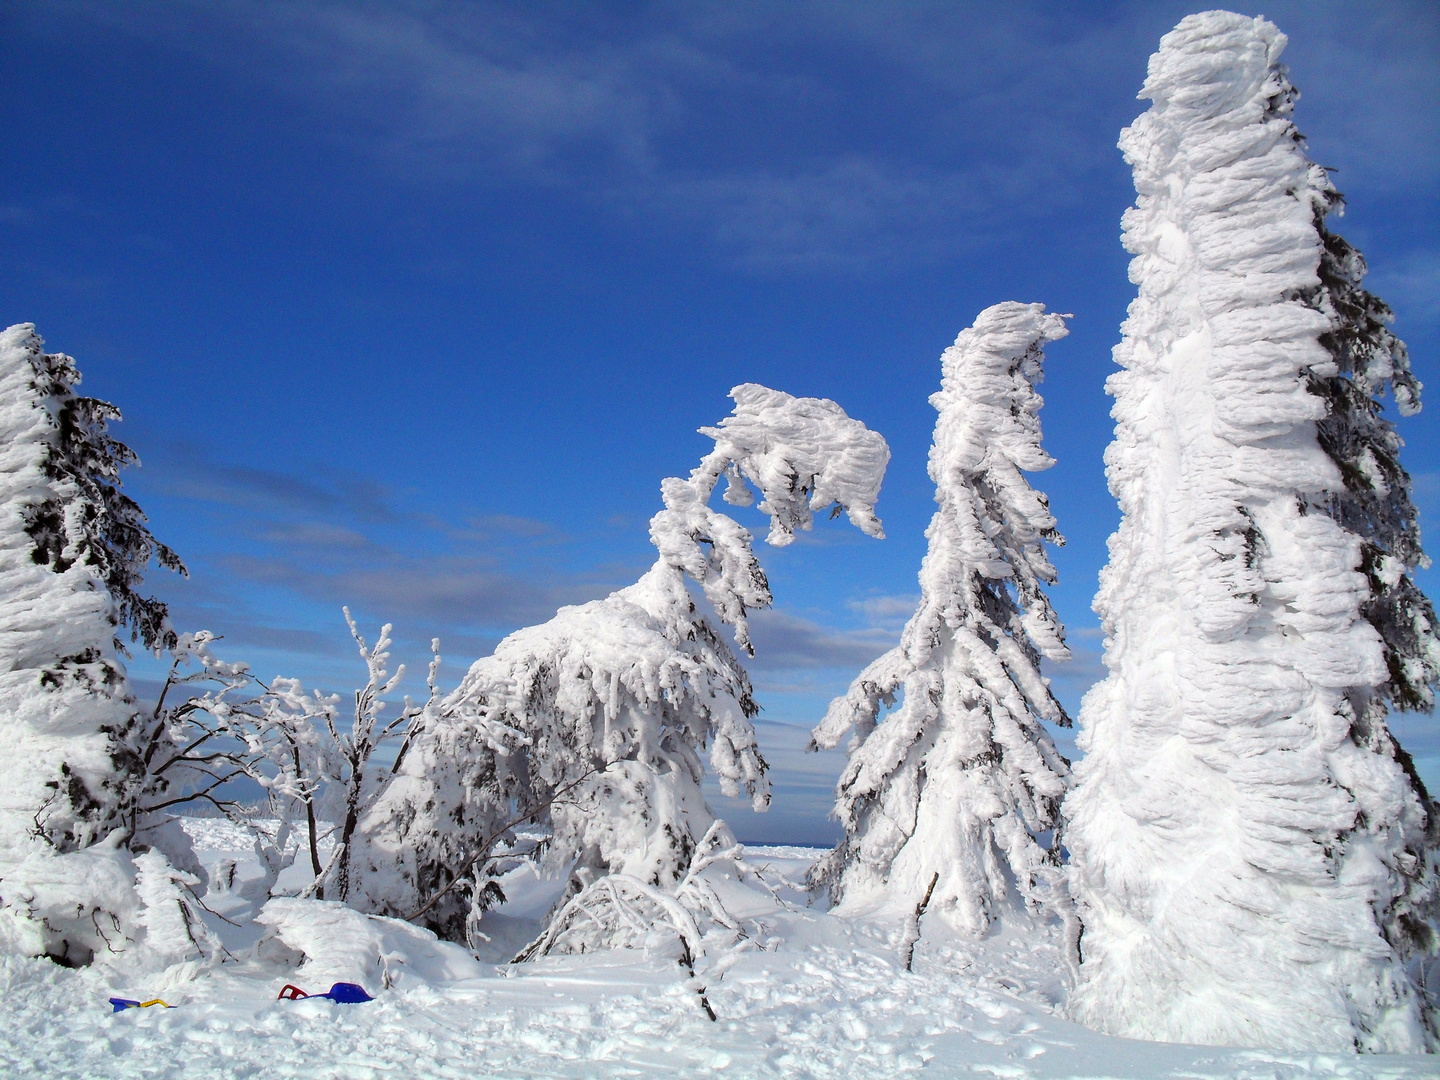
827,998
1231,842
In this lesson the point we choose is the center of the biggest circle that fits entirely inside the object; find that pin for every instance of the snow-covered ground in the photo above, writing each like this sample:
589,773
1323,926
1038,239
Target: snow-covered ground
826,997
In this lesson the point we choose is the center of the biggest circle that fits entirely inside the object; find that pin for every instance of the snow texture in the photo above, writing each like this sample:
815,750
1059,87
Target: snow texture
595,722
944,797
825,999
1249,850
104,906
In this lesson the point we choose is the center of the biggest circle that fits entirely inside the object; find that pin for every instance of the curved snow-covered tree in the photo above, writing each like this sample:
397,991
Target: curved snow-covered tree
73,548
597,720
942,800
1253,856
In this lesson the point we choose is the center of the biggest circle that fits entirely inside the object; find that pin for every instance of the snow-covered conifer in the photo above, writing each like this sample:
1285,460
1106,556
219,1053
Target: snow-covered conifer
1253,857
597,719
74,550
943,798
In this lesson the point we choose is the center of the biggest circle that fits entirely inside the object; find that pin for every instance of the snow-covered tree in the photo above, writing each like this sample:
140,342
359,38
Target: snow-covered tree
942,800
596,720
1253,856
74,550
355,776
214,723
423,849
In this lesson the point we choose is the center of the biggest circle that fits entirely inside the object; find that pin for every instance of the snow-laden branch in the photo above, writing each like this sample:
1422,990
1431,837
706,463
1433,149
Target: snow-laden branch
619,911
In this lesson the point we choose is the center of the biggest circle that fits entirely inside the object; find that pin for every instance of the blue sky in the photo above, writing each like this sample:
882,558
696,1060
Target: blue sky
412,306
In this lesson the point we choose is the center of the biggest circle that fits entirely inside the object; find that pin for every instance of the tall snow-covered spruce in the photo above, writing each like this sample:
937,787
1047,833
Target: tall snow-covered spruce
595,721
73,549
1253,855
942,799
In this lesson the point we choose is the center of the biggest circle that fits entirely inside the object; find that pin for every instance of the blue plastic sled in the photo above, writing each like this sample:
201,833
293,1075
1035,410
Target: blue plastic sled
342,993
121,1004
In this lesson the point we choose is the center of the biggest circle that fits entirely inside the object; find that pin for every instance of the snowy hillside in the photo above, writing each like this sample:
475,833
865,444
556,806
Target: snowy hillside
827,998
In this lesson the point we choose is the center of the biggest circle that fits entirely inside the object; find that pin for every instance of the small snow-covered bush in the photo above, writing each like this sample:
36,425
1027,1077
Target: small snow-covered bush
620,911
215,722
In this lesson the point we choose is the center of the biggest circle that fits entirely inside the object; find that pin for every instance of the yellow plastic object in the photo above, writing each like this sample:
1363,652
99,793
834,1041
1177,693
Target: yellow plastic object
126,1003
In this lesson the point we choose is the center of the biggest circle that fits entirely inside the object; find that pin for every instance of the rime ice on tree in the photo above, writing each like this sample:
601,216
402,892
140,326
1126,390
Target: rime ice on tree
73,549
1252,854
951,788
597,719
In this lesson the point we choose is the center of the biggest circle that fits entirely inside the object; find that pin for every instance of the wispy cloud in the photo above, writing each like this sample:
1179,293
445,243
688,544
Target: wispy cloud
853,214
1410,284
887,612
784,642
188,475
275,554
234,628
718,117
1369,82
959,120
444,591
802,797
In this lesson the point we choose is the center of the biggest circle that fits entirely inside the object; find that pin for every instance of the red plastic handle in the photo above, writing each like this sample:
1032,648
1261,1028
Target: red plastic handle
291,993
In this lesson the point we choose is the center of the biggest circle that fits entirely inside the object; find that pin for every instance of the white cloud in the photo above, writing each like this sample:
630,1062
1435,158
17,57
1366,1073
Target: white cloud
786,642
822,137
887,611
1410,284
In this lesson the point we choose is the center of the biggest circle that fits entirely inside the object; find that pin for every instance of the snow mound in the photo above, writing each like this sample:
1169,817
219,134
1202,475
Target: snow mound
102,905
340,944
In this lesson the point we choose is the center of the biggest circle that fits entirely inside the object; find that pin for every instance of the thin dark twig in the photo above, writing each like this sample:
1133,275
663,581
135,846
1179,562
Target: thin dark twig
914,934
